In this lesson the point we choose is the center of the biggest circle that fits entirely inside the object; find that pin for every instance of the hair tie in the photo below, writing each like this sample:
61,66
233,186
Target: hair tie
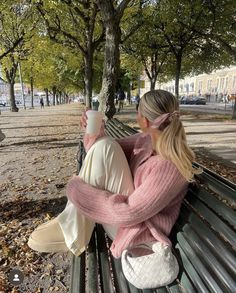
164,118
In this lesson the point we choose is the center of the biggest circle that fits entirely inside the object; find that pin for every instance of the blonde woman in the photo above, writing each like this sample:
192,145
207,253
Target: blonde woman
136,196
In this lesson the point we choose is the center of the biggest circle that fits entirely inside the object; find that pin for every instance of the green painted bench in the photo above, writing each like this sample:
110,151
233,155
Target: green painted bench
203,238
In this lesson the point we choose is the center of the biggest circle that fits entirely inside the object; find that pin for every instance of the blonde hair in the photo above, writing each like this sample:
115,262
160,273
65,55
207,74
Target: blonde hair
172,143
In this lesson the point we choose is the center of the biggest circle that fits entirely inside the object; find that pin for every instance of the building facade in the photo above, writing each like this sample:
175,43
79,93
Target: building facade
214,86
4,90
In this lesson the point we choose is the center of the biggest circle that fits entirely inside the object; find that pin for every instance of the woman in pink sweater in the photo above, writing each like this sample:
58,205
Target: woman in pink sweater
161,167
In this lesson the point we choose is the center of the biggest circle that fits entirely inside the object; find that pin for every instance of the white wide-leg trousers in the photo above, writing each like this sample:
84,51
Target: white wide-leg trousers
106,167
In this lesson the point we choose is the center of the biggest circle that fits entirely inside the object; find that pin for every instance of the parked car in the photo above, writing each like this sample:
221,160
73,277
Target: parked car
195,100
2,103
185,100
199,100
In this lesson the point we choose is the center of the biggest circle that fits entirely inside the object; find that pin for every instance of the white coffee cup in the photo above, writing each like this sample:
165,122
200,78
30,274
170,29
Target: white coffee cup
94,122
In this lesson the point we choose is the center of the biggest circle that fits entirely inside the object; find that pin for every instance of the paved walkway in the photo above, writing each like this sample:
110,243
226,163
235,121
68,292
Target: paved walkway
211,132
218,137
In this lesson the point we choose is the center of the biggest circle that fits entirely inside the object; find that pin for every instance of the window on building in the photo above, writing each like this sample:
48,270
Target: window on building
222,81
200,85
234,84
226,83
209,83
187,87
217,85
192,86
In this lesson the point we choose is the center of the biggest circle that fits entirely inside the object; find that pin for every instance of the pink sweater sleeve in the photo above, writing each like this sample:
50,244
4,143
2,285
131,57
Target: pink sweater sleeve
127,143
158,189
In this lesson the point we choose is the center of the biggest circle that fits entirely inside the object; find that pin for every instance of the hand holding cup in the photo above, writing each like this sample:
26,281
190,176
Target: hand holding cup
94,122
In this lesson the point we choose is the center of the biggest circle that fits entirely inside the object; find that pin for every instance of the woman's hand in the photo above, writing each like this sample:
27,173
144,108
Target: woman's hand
90,139
83,119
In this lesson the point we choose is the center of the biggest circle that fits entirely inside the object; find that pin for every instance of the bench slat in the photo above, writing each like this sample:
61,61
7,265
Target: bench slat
221,276
153,290
219,187
175,288
192,273
216,205
114,132
119,278
216,176
186,283
78,274
124,129
133,289
92,274
217,224
197,264
160,290
104,266
217,246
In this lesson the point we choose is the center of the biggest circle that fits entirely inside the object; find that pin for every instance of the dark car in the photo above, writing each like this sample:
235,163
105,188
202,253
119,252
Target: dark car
184,100
3,104
199,100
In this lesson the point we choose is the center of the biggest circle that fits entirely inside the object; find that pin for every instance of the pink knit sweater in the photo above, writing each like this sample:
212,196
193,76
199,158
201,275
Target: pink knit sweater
150,212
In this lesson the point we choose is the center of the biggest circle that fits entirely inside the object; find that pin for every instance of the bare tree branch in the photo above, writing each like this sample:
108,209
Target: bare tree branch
120,9
54,31
132,31
14,45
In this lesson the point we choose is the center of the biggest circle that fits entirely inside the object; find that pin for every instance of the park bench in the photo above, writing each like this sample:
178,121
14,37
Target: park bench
203,240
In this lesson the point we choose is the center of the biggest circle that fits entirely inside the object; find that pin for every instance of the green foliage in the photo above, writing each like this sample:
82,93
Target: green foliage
52,65
201,32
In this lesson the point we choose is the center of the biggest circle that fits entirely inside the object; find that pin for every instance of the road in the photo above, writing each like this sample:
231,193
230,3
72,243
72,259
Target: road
211,108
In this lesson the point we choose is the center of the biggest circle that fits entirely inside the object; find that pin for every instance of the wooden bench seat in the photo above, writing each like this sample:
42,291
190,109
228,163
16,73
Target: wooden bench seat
203,240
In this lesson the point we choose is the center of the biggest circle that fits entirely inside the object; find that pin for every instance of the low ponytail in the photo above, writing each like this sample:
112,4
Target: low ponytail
172,145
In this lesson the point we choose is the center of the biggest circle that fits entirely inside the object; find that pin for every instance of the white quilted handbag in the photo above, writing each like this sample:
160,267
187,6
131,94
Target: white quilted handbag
154,270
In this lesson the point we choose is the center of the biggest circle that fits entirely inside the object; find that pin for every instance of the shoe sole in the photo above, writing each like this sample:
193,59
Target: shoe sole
50,247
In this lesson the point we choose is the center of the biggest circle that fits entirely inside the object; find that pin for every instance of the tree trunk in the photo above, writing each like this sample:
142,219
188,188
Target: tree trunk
60,96
10,76
129,94
112,58
54,95
67,98
234,110
88,77
177,74
57,100
47,98
152,83
32,91
154,70
12,98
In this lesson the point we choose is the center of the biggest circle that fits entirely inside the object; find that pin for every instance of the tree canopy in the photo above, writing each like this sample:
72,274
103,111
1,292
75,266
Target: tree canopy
67,46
